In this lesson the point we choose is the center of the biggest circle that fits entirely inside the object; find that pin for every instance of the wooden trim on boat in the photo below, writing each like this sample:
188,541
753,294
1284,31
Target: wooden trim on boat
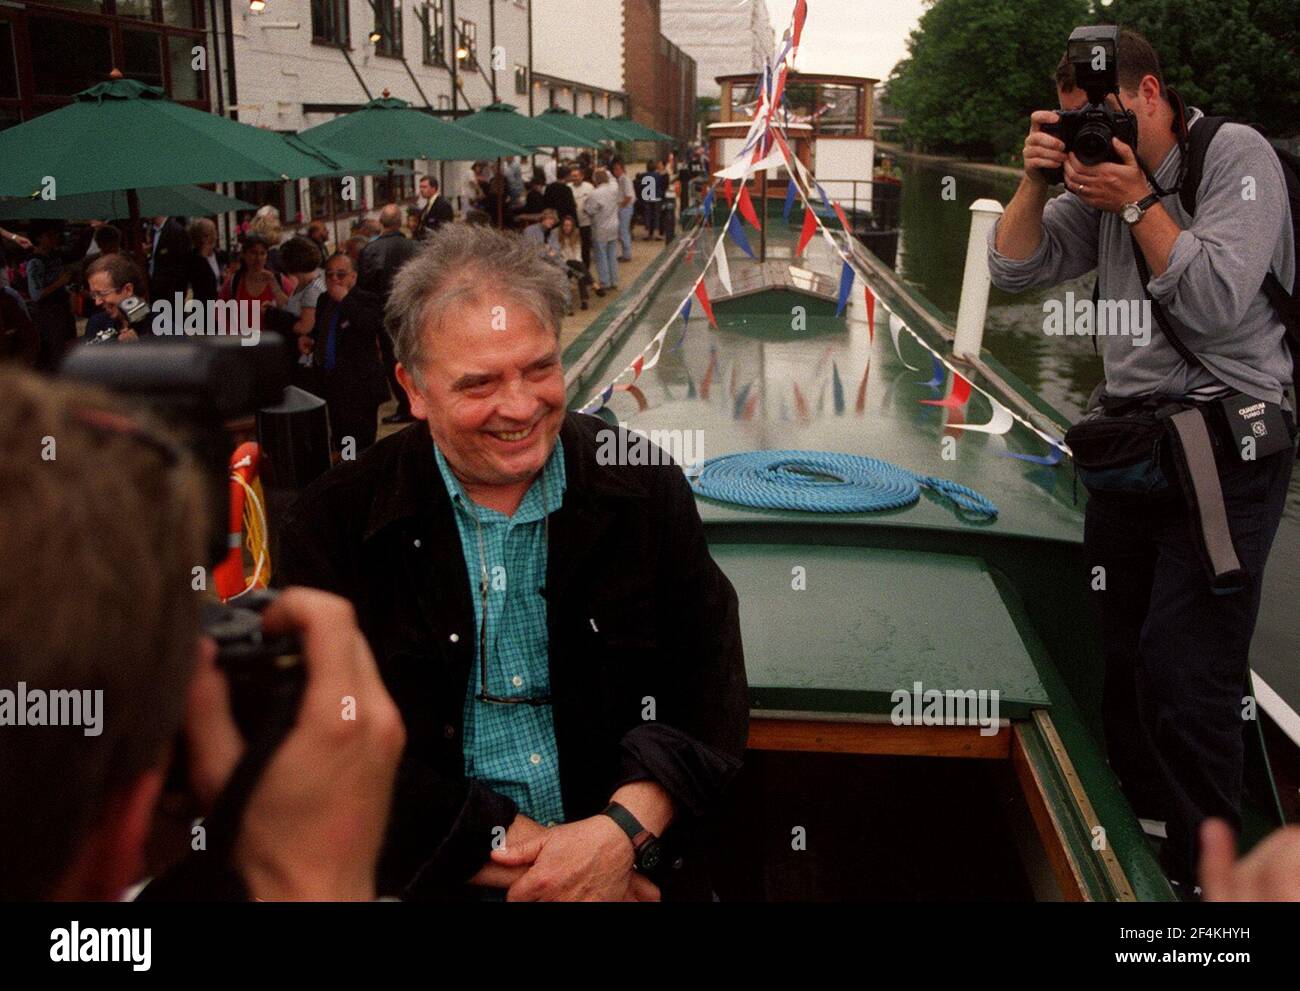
819,736
1064,868
1119,883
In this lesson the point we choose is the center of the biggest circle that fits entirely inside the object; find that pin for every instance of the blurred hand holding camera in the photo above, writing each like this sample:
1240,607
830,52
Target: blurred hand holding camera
1043,152
315,821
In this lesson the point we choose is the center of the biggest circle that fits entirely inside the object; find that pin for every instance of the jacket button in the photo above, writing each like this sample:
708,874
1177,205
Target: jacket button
448,731
417,542
454,638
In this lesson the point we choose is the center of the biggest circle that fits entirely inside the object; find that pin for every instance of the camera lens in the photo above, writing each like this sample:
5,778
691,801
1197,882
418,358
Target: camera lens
1092,143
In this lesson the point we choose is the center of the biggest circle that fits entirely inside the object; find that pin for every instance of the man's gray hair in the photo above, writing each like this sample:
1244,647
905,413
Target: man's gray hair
463,265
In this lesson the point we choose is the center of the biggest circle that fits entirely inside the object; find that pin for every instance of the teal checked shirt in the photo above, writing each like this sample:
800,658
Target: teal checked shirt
511,748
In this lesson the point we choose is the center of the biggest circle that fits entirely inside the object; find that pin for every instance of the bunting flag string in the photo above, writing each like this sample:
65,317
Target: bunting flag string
737,234
789,202
896,325
724,269
895,328
846,286
936,380
767,146
958,397
805,235
702,295
747,209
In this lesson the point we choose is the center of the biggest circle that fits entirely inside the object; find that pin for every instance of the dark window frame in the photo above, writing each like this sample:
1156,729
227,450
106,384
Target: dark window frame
467,31
341,23
434,31
29,103
388,21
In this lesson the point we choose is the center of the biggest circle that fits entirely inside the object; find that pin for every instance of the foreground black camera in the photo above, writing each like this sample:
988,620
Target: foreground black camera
1094,53
199,385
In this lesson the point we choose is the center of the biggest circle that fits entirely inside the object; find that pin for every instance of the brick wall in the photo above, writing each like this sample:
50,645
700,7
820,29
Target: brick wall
641,59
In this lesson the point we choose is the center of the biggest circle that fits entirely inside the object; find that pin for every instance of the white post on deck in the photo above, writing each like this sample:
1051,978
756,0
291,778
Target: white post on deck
975,280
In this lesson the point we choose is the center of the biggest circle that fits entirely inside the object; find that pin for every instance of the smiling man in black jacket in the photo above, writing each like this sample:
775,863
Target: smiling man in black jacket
565,653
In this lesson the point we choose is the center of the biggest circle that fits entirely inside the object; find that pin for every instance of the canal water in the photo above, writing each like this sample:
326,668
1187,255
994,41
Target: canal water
1064,370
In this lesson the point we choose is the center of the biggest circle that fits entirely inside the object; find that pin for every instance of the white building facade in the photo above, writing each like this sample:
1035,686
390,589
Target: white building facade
299,63
723,36
578,56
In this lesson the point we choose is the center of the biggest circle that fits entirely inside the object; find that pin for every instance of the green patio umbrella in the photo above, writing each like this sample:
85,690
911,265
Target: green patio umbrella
593,132
503,122
167,201
637,132
125,135
389,128
611,131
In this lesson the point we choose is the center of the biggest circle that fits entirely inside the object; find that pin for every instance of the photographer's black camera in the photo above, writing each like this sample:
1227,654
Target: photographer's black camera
1094,53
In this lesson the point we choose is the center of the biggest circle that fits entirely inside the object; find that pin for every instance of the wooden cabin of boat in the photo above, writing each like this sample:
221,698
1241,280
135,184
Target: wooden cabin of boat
829,122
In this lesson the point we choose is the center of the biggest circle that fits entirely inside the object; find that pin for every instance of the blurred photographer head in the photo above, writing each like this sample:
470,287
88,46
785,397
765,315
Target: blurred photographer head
112,279
90,600
101,661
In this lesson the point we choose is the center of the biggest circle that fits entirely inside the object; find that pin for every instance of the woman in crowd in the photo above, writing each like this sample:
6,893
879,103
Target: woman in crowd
205,275
602,208
250,280
47,288
571,251
266,224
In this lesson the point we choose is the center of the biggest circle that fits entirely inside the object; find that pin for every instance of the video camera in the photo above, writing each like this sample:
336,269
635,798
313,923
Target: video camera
1094,53
135,310
200,385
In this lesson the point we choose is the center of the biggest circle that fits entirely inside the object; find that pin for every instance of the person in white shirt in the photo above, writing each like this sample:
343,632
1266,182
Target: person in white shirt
602,207
581,190
626,207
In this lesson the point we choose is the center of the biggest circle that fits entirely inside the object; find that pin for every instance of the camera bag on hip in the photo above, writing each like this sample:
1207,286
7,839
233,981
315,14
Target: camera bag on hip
1124,449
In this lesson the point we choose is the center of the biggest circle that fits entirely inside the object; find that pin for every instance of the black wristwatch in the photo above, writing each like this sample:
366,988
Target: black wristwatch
646,852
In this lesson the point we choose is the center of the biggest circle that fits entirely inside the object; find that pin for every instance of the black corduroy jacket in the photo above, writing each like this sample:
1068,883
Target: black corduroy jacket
646,666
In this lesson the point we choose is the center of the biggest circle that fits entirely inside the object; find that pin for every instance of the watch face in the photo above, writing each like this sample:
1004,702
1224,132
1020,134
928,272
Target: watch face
649,856
1132,213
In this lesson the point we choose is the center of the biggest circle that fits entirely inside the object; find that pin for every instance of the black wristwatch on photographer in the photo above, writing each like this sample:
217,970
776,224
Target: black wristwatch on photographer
646,850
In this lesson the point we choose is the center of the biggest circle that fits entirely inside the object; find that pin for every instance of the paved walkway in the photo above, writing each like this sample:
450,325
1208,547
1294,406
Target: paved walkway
643,253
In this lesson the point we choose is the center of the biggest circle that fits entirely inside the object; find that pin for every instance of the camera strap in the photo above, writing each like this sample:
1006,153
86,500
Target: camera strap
1162,319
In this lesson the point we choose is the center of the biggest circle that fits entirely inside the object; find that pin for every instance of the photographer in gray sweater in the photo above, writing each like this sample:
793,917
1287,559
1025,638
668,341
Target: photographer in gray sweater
1176,646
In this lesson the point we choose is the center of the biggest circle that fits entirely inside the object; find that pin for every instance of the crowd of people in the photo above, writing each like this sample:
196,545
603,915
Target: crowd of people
579,215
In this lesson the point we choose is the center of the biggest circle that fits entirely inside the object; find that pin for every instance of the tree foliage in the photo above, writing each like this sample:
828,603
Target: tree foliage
1239,58
977,68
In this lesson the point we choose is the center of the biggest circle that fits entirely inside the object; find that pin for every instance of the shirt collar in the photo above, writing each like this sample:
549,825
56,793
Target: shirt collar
531,508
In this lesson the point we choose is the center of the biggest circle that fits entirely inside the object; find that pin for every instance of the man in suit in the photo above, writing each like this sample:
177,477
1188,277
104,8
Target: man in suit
169,258
348,331
379,262
437,211
559,197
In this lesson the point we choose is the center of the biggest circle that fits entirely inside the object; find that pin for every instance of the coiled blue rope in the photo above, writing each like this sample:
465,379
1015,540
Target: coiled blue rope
825,482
